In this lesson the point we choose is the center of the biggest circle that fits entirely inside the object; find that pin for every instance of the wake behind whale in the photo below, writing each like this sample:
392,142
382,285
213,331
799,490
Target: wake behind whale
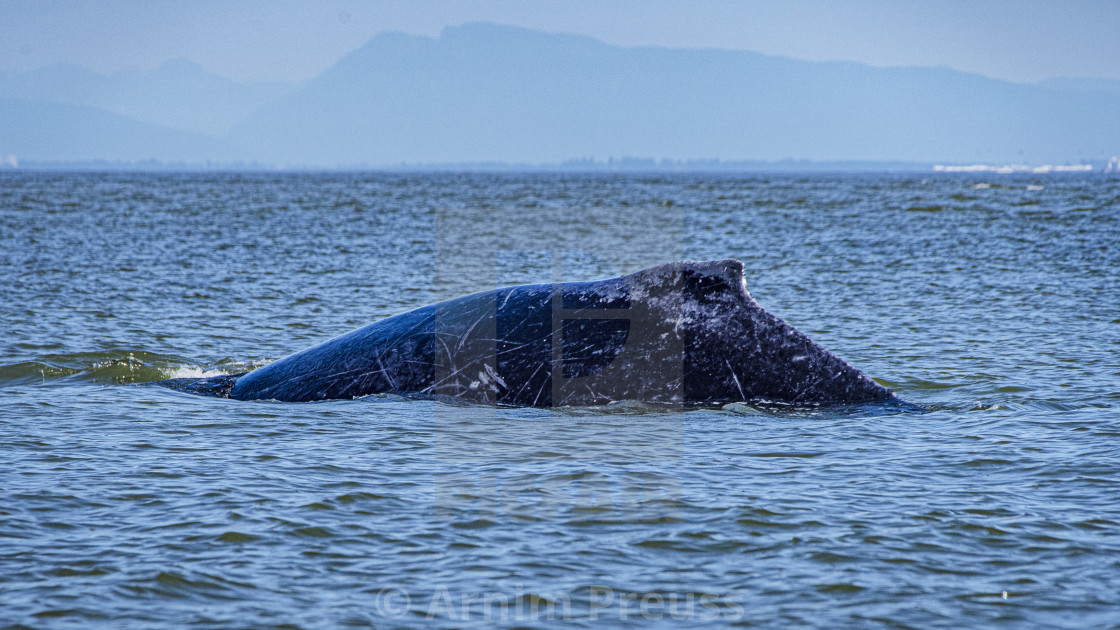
683,332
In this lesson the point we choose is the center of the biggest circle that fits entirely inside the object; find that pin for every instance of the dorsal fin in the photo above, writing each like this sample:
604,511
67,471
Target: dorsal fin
729,271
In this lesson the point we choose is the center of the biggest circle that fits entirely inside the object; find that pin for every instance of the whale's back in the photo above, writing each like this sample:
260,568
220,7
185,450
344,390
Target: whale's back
676,333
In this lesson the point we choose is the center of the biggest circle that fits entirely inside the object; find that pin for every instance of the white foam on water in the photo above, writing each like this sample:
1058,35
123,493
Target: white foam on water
193,372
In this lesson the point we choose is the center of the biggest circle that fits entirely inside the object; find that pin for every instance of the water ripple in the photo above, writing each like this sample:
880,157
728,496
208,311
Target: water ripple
991,500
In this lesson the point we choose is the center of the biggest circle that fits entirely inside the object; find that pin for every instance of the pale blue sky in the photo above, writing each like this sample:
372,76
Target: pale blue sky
1019,40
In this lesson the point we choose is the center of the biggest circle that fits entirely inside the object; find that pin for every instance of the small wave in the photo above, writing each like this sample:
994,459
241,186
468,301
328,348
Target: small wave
112,368
825,411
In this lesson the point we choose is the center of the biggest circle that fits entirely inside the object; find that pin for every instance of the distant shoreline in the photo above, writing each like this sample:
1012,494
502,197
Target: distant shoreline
625,165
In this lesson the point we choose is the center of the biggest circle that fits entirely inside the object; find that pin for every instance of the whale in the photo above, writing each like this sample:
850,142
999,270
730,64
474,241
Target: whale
679,333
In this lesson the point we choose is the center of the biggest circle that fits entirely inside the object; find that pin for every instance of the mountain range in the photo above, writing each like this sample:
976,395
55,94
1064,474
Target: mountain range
484,93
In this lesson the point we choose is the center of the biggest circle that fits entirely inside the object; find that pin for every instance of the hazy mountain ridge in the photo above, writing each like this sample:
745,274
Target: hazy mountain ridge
484,93
59,132
178,94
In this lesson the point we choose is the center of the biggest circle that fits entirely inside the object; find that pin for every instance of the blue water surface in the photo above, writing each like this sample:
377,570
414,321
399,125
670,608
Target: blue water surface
992,303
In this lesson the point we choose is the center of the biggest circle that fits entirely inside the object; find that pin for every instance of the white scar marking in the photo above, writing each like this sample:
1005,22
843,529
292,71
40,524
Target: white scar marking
740,387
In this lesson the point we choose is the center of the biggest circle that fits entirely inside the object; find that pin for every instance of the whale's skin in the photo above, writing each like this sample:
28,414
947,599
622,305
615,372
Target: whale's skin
684,332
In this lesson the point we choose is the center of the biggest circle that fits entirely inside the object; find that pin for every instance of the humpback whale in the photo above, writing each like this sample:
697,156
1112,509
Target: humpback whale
682,332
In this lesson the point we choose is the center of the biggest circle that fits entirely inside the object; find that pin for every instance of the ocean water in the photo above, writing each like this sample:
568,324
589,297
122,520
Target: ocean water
990,302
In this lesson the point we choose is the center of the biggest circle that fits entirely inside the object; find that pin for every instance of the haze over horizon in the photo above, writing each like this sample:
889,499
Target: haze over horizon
354,83
286,40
